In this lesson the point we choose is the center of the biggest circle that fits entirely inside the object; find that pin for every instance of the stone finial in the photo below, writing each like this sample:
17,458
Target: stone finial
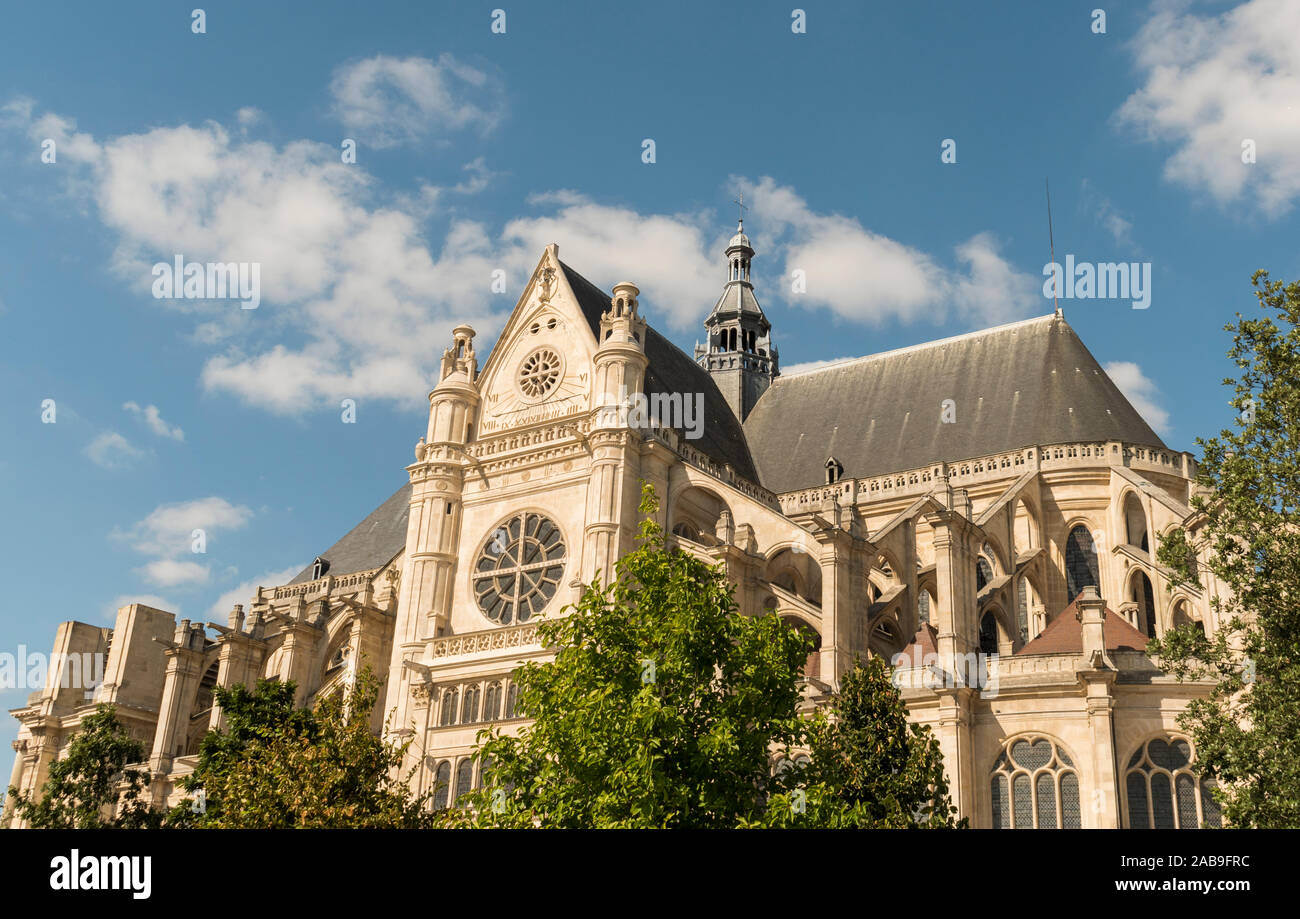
459,358
961,502
622,322
725,531
236,619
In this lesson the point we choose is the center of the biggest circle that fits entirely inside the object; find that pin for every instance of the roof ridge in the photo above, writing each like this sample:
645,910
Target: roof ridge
921,346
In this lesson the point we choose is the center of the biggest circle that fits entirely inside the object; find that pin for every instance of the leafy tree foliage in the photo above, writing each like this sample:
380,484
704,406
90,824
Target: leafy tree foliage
277,766
662,708
657,711
869,767
91,787
1246,518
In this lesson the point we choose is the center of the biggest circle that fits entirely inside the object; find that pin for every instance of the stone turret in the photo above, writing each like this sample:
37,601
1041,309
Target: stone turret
739,355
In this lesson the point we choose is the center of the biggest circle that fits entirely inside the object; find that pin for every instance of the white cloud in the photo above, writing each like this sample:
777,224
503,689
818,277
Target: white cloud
1213,81
1103,210
1141,392
167,530
671,258
170,572
245,591
167,533
360,306
387,102
157,602
357,303
867,277
153,419
111,450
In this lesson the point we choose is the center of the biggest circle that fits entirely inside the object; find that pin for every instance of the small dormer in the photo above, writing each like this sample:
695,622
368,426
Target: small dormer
319,568
834,471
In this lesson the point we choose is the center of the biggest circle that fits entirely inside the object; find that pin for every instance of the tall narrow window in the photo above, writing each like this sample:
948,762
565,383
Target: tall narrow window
449,699
469,709
989,634
1081,568
464,777
492,702
441,785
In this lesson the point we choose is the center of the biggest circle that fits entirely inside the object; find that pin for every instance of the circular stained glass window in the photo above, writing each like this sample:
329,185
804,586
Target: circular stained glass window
519,569
539,373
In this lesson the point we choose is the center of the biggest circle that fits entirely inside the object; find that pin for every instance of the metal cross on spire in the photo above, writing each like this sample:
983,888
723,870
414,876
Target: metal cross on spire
740,202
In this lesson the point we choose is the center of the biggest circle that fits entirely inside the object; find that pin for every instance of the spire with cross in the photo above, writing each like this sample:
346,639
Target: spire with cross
740,203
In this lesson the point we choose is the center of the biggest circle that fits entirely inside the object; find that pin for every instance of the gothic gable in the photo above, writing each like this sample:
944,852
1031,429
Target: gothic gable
540,369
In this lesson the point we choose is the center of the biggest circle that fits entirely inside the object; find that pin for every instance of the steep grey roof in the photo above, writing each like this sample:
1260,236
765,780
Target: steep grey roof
373,542
738,297
1030,382
672,371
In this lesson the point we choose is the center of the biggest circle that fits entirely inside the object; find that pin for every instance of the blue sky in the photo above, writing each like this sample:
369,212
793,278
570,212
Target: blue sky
476,149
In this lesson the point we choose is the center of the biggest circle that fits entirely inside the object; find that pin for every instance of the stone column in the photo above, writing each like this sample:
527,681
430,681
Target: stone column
955,742
184,662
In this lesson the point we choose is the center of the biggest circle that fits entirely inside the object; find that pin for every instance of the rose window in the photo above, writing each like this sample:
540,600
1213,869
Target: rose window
519,569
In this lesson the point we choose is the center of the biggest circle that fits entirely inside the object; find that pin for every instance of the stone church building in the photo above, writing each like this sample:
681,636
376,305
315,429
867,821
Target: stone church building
983,510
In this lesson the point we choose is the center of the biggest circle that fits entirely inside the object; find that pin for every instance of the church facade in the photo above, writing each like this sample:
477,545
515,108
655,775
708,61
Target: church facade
981,510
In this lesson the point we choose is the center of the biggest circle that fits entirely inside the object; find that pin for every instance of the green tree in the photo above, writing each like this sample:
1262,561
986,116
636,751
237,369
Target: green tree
657,711
1246,517
869,767
277,766
91,787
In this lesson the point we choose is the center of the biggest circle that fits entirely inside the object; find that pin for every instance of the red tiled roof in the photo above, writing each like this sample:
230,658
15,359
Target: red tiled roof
1064,634
923,644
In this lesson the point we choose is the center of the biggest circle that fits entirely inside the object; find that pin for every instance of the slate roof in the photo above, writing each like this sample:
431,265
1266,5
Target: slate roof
1064,634
1029,382
672,371
373,542
737,297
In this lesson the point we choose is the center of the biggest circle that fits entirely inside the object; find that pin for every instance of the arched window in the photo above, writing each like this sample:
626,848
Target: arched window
448,707
989,634
441,785
1034,786
1183,616
464,777
983,573
923,602
1080,562
469,710
686,531
1135,523
512,696
1162,790
1144,596
492,702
